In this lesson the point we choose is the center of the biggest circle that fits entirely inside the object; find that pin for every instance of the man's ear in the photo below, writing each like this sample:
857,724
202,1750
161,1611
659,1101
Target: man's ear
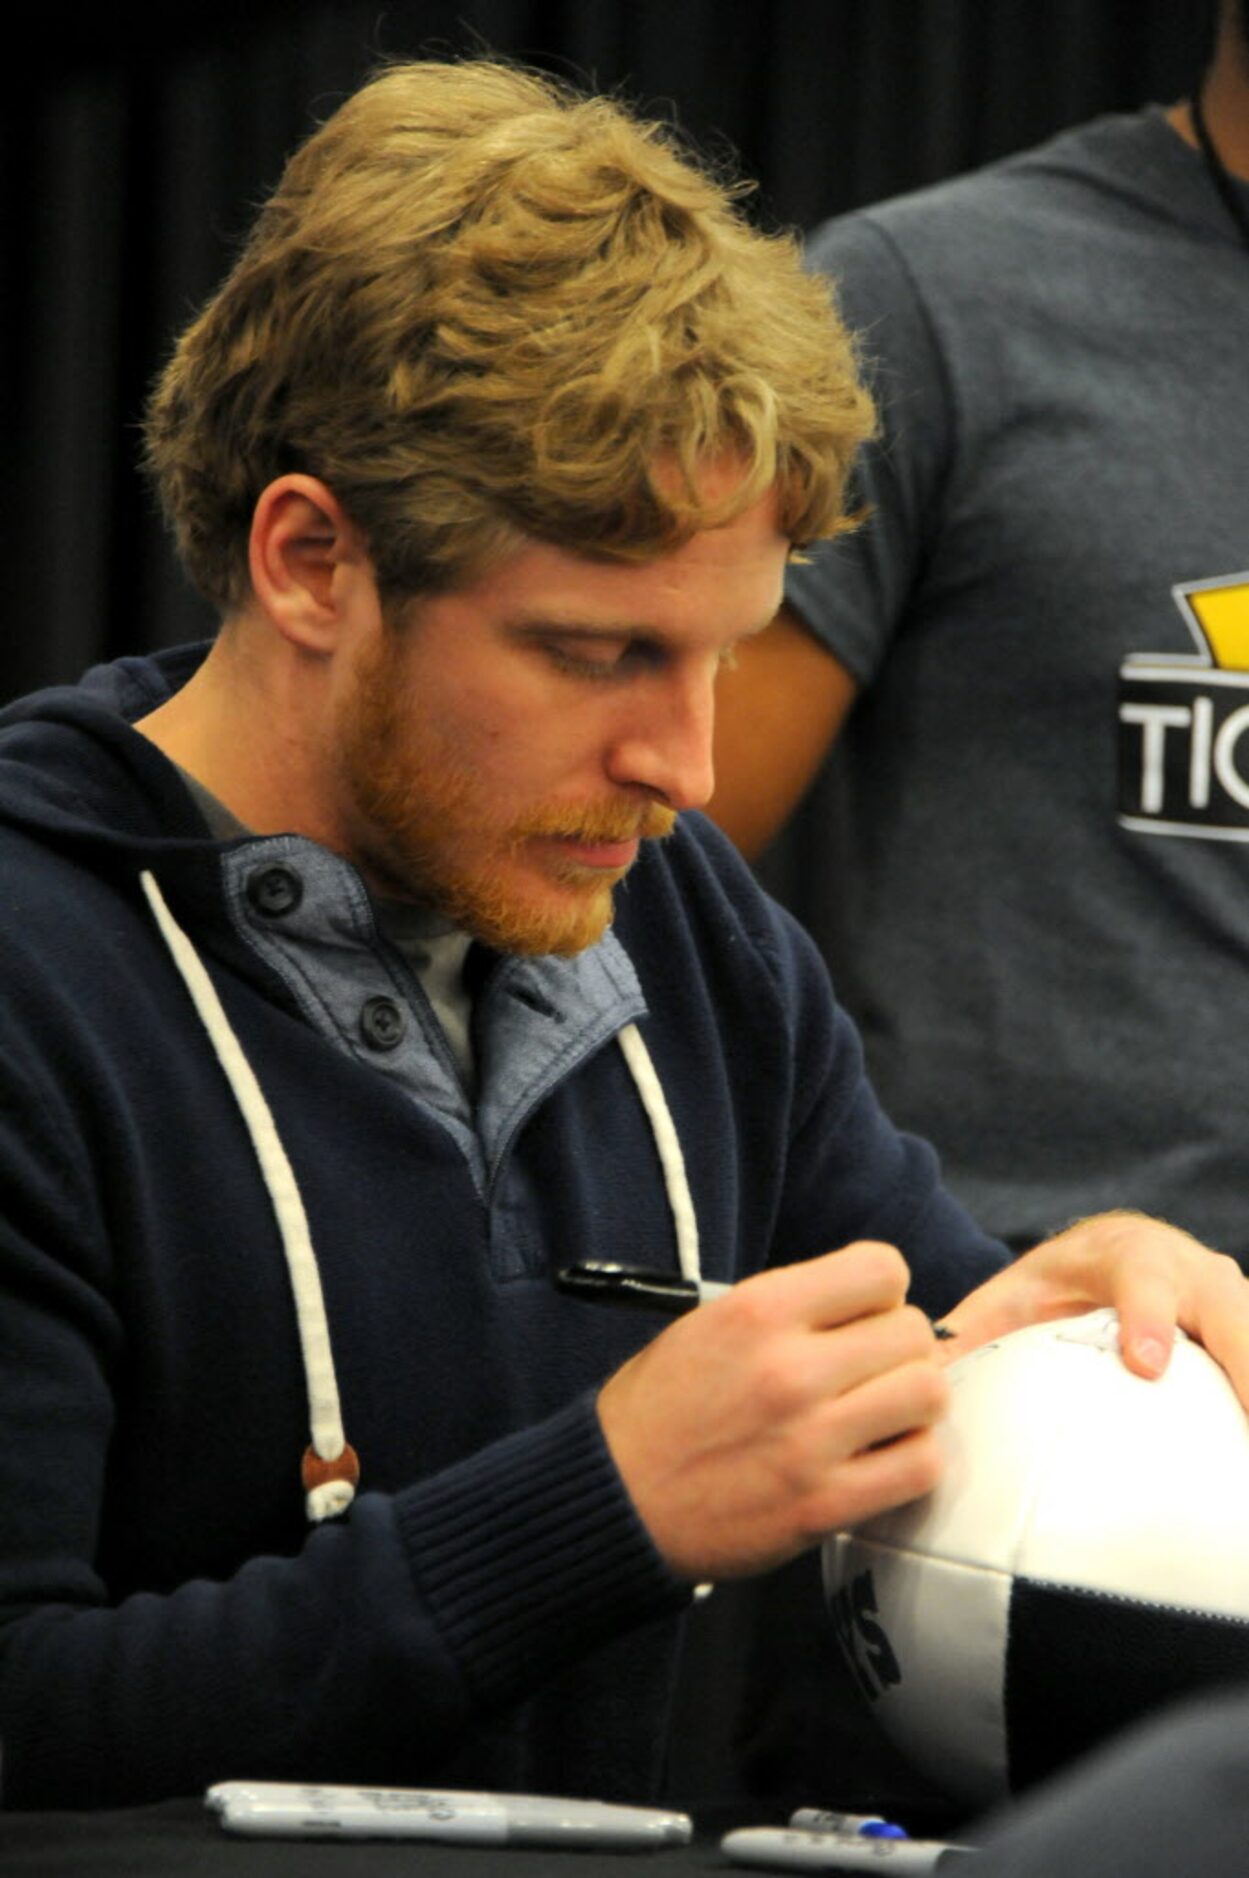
305,557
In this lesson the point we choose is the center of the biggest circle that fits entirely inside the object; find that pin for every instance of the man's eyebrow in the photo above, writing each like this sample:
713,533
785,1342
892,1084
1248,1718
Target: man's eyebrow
582,629
545,625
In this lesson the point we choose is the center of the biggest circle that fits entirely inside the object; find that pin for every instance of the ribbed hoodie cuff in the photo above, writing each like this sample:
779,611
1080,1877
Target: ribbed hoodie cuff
531,1553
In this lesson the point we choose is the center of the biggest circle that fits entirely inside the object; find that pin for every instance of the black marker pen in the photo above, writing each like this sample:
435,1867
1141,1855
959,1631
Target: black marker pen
647,1288
641,1287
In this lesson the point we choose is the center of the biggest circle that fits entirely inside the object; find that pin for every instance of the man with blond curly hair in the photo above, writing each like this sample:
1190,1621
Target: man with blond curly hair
368,969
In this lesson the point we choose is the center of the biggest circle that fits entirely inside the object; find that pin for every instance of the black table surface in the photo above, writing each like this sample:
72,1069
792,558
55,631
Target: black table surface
794,1757
181,1839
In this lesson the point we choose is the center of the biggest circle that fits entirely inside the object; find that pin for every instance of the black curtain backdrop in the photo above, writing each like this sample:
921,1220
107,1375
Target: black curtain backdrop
134,152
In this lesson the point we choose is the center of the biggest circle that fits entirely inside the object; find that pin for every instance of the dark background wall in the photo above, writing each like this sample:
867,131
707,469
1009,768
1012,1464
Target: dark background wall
132,155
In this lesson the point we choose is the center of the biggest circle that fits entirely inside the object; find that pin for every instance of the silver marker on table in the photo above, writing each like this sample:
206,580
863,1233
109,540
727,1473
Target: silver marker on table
281,1809
777,1848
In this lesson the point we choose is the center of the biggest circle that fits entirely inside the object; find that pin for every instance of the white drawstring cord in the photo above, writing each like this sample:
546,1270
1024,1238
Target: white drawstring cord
330,1467
676,1185
676,1182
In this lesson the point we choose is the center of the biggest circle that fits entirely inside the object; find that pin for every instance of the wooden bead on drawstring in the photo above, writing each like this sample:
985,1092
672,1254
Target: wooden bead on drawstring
316,1471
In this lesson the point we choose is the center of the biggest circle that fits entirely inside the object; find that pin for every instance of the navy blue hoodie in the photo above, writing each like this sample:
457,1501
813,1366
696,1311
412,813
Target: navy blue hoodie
489,1611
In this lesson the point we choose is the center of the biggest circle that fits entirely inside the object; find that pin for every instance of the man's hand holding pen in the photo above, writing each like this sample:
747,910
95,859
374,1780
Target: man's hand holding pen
806,1398
801,1400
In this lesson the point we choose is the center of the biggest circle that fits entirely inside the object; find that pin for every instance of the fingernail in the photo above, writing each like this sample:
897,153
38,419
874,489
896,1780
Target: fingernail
1151,1355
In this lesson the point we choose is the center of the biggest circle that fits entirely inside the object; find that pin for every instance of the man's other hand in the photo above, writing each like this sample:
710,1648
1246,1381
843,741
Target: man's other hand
1154,1275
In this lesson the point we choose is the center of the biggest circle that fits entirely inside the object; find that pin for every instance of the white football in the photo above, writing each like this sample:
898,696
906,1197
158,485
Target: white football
1084,1559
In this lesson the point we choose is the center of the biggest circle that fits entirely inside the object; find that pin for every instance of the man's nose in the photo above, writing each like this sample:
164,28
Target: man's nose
665,743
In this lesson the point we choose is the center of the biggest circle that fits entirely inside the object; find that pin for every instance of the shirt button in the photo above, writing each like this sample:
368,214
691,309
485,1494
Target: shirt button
382,1023
274,891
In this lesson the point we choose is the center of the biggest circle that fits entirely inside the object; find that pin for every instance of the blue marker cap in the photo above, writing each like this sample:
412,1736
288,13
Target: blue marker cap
846,1825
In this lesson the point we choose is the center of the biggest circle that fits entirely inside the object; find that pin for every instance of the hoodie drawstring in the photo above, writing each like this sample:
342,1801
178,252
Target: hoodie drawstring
668,1147
331,1469
330,1466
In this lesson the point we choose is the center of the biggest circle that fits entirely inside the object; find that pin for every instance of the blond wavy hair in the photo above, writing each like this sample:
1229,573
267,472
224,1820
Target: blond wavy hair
482,306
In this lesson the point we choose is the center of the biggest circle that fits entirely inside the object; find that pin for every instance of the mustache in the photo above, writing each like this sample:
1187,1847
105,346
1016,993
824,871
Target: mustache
608,821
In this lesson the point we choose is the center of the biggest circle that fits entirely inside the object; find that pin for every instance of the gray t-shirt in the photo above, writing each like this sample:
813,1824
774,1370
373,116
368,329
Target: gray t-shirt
1026,860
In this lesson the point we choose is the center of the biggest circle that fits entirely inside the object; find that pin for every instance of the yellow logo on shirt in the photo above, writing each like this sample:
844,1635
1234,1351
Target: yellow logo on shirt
1222,613
1184,722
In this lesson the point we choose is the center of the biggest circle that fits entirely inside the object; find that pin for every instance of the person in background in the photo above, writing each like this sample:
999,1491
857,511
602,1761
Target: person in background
1026,858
